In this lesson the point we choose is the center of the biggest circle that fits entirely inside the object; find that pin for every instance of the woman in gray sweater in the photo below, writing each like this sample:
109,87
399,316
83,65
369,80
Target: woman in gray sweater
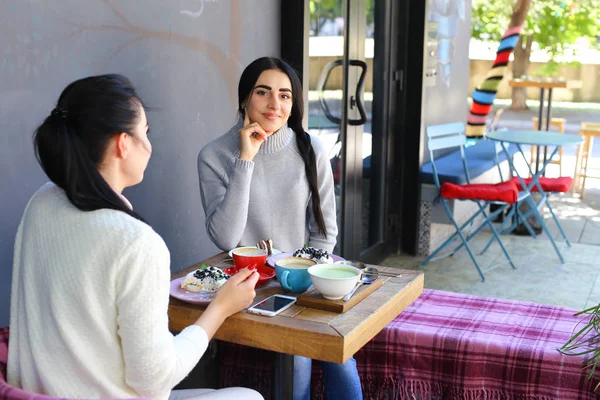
268,178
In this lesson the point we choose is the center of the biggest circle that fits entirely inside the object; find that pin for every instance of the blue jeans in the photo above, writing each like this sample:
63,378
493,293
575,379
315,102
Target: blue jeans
341,380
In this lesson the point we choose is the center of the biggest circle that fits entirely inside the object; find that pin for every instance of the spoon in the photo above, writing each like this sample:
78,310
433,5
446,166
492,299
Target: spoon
375,271
368,270
365,279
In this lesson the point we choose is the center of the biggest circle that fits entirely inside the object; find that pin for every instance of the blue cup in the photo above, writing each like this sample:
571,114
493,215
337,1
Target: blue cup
292,273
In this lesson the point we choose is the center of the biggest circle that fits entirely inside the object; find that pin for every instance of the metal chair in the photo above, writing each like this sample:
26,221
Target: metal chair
443,138
542,185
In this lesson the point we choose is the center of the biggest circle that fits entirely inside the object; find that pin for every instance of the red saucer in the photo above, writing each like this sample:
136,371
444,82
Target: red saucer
266,273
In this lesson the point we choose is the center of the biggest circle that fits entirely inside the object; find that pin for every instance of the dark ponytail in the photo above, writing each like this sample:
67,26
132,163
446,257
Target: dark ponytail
245,87
71,142
310,166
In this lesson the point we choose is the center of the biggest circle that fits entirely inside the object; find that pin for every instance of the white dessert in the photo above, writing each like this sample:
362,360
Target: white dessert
209,279
311,253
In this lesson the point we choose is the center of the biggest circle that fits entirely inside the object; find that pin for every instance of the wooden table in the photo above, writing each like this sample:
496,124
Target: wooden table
317,334
548,84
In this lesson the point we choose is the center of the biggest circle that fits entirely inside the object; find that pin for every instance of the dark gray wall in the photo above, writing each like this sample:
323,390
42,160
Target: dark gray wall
184,63
446,100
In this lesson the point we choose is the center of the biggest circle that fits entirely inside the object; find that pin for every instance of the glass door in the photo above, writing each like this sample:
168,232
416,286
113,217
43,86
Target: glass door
347,96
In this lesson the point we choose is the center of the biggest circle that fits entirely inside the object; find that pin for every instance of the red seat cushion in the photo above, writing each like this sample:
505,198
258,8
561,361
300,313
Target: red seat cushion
556,185
505,191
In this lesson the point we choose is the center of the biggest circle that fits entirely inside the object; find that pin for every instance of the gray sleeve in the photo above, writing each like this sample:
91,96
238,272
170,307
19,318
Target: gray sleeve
327,195
225,192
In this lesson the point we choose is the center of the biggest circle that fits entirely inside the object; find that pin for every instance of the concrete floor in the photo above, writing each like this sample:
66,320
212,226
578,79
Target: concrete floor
539,275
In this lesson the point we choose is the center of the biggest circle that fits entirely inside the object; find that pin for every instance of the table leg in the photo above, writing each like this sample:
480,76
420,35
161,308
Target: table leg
541,114
578,166
522,229
548,119
283,376
588,159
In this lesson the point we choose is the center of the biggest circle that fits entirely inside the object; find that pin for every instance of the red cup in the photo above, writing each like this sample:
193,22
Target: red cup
244,256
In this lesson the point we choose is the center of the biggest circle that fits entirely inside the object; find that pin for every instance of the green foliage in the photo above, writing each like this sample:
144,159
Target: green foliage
324,10
555,24
585,342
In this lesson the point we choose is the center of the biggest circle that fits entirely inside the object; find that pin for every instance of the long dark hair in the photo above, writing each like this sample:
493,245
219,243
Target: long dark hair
245,87
71,142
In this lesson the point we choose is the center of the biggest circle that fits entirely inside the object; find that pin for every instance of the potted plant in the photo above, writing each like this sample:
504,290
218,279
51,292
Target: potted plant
586,341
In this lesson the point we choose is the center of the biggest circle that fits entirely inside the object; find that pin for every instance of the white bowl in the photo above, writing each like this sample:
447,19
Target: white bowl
332,285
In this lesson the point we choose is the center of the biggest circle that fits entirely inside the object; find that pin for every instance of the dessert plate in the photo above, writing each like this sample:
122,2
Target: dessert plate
203,298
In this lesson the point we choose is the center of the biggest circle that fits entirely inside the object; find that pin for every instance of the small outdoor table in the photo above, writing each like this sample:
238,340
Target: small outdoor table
317,334
543,85
538,138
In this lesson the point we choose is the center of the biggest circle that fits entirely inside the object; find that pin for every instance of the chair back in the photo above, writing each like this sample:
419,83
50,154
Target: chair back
497,150
3,352
445,137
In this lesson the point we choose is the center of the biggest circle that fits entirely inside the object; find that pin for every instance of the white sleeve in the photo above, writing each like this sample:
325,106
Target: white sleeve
155,360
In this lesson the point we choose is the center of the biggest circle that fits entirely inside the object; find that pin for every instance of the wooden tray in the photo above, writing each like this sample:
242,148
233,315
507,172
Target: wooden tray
313,299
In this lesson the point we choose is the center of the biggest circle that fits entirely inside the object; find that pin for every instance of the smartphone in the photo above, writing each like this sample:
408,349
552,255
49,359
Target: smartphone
272,305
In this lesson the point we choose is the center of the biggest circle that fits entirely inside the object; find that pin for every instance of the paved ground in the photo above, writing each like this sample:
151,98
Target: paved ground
539,276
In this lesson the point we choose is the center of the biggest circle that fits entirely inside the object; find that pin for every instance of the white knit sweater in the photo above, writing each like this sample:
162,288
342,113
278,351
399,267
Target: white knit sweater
90,292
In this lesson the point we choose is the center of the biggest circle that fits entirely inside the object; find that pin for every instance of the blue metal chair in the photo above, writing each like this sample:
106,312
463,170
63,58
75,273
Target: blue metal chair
537,183
443,138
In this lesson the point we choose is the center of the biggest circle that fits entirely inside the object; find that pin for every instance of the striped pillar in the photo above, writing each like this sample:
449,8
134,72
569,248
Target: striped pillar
483,97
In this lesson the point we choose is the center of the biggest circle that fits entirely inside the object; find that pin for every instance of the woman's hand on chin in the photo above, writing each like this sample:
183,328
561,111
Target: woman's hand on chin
252,136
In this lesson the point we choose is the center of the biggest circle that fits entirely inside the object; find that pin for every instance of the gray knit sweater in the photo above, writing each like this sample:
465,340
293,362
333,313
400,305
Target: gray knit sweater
267,198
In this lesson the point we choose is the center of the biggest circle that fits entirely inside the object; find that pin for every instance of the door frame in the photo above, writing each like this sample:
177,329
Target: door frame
409,44
403,38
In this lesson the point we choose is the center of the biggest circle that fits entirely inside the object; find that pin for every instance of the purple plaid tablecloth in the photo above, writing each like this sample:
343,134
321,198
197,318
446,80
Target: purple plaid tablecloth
450,346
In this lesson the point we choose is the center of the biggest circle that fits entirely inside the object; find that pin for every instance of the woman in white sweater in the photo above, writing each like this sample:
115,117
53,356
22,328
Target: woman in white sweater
90,286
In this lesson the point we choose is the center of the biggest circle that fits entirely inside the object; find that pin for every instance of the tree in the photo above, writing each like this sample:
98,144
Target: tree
322,11
554,26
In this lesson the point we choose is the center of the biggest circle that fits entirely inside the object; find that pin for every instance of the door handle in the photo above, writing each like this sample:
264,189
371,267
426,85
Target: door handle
357,98
321,90
355,101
